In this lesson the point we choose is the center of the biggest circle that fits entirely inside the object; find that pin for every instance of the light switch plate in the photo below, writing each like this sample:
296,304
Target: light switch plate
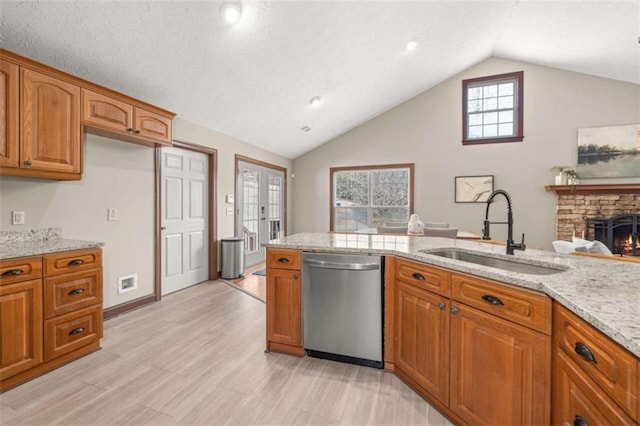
229,198
112,214
17,217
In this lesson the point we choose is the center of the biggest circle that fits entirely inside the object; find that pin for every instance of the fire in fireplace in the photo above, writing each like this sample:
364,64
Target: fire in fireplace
620,233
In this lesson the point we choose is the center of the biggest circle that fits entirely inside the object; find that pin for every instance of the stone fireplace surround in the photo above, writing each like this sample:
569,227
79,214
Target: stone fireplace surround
593,201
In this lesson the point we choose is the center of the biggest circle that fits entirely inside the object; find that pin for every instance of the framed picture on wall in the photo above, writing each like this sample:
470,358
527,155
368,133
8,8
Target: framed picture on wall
609,152
473,189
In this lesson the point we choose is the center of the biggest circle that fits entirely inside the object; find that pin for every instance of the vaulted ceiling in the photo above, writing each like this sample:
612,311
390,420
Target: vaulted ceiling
254,80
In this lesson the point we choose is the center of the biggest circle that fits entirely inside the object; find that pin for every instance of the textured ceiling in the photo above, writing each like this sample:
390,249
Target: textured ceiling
254,80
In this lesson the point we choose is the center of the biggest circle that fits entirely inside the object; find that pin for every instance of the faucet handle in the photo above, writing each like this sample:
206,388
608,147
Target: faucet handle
485,230
521,246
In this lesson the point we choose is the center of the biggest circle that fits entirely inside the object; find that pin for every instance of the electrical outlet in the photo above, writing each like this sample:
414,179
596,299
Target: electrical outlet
17,217
112,214
229,211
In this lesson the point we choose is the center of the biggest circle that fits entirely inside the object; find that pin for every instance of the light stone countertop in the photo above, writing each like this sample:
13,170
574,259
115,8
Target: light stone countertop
36,242
605,293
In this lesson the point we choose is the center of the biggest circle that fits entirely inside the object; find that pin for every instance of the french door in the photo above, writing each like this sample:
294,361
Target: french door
260,207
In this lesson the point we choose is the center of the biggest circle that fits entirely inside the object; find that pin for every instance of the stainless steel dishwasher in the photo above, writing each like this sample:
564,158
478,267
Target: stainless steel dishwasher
342,307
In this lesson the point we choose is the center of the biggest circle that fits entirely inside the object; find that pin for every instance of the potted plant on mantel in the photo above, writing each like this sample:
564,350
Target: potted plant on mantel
566,176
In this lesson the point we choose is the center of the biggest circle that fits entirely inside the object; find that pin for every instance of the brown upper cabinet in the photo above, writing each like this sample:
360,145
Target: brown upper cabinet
44,111
136,124
30,144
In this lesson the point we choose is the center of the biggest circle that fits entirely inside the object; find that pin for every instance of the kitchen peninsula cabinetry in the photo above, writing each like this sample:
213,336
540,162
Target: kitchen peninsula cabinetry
51,312
47,140
120,116
476,348
596,381
284,301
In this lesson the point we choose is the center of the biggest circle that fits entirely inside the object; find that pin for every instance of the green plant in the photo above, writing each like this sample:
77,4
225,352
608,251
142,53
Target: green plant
569,171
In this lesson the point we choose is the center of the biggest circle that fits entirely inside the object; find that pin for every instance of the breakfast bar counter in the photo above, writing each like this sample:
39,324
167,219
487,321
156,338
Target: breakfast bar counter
604,293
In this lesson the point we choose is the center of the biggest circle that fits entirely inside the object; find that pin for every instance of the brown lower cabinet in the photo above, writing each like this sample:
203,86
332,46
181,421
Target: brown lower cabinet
50,312
284,301
474,365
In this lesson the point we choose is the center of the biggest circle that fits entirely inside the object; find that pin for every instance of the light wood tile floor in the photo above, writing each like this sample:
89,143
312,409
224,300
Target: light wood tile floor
197,357
255,285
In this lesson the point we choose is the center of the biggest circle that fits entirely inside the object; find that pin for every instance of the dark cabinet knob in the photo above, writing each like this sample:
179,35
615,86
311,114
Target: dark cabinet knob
12,272
295,276
454,310
579,421
137,132
584,351
76,331
441,305
130,130
28,162
492,299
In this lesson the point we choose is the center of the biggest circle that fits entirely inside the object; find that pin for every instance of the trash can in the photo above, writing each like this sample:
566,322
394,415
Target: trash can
232,257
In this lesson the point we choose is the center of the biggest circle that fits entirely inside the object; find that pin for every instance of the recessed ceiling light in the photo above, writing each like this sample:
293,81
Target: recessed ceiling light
315,101
411,45
231,12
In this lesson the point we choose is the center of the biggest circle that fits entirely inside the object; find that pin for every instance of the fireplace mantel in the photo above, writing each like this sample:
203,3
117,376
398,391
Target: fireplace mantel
616,188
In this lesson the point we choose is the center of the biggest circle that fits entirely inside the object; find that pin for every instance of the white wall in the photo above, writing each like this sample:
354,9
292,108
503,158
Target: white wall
116,175
120,175
427,130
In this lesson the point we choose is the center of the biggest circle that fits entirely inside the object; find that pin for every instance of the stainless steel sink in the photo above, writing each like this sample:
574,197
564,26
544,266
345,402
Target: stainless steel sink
495,262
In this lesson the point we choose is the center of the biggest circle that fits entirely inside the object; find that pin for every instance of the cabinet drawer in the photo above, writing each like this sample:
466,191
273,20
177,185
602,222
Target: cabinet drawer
423,276
577,397
521,306
612,367
70,292
72,261
21,269
72,331
283,259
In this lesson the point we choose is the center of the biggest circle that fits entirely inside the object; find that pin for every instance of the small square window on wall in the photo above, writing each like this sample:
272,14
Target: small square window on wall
492,109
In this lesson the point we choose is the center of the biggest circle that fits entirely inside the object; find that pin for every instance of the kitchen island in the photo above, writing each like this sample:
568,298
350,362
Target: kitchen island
591,299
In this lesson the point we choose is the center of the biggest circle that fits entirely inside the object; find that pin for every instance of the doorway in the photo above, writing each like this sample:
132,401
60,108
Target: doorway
260,205
186,181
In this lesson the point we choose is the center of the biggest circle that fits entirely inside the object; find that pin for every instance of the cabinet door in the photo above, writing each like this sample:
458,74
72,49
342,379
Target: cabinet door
576,397
154,126
500,371
105,112
422,338
9,109
284,297
20,327
51,136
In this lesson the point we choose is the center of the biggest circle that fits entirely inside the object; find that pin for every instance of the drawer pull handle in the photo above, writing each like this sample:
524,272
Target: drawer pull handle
76,291
492,299
284,260
584,351
579,421
76,331
12,272
418,276
75,262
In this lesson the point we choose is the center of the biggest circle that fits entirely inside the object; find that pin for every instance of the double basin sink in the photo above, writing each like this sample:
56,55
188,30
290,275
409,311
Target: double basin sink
523,267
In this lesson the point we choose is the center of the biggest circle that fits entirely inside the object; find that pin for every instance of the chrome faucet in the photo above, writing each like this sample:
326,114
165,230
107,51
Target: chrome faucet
511,245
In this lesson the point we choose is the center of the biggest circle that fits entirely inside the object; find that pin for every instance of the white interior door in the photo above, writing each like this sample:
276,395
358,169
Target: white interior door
260,208
184,210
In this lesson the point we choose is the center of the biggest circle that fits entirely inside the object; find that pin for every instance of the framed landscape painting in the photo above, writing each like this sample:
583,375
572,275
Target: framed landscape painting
473,189
609,152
